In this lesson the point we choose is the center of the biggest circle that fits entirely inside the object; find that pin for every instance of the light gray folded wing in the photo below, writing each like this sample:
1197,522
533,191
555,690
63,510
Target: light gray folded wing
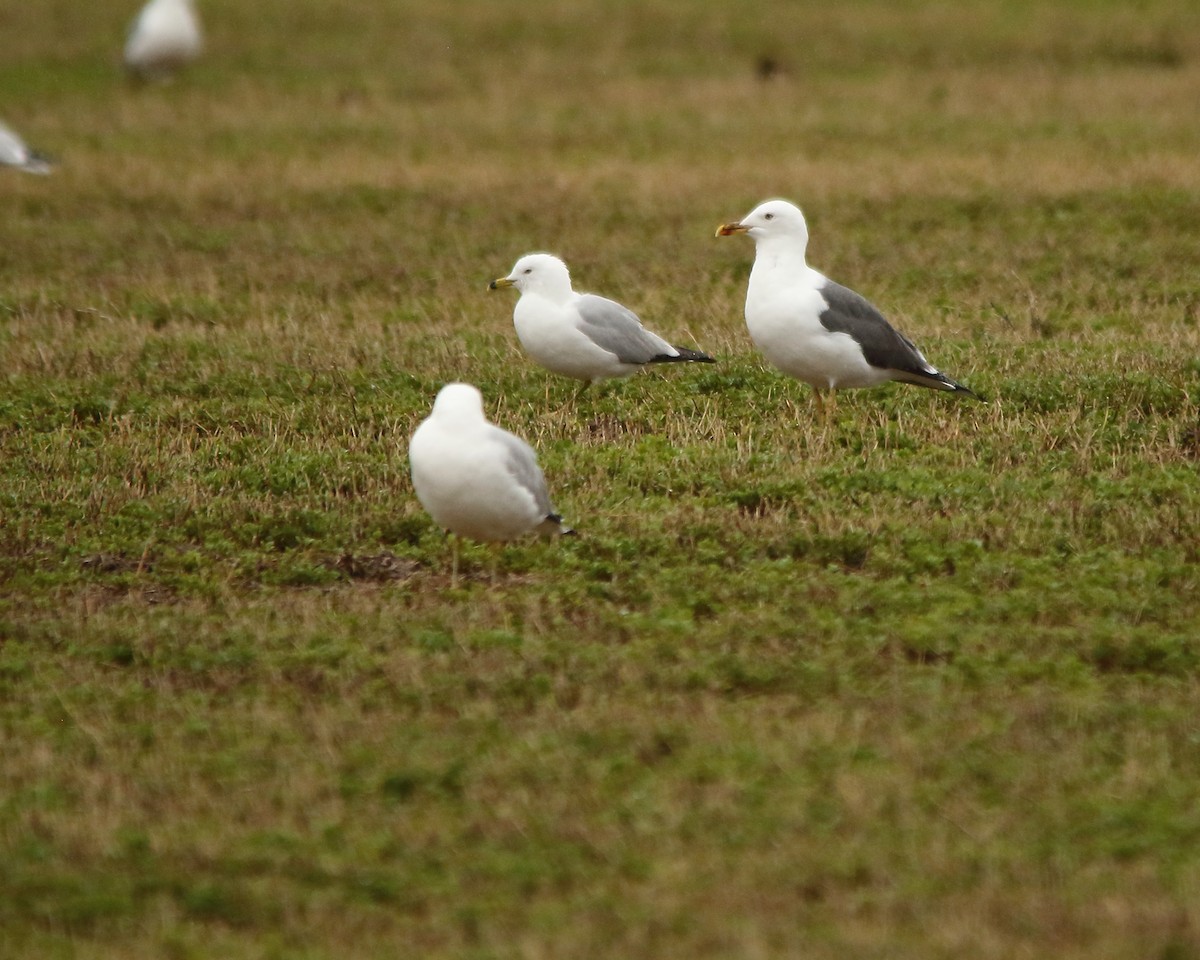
617,329
521,461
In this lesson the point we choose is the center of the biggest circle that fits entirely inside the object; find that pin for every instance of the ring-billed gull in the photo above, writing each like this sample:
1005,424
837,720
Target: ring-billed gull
14,152
581,335
164,37
814,329
475,479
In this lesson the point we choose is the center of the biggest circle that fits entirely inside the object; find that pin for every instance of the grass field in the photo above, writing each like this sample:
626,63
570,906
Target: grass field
920,683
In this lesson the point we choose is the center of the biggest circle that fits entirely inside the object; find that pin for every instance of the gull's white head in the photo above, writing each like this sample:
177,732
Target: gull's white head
458,403
773,220
538,273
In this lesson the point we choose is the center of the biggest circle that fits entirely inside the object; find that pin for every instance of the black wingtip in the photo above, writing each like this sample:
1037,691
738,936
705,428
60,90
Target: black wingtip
936,380
38,163
959,388
944,382
685,355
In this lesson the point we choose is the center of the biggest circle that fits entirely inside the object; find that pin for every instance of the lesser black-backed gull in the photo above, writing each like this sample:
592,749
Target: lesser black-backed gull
814,329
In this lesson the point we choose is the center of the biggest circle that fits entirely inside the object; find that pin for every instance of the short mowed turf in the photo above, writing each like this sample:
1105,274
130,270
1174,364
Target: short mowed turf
922,681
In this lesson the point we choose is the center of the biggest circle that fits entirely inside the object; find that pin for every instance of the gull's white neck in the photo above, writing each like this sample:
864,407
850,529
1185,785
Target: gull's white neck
556,293
779,261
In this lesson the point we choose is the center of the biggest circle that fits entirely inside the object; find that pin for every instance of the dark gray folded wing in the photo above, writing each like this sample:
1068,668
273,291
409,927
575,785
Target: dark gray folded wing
882,345
618,330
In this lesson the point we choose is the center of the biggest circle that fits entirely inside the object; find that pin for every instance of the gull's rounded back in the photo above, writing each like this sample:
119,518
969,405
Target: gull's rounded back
459,402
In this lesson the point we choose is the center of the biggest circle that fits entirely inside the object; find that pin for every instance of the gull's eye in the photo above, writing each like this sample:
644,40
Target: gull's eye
768,216
529,269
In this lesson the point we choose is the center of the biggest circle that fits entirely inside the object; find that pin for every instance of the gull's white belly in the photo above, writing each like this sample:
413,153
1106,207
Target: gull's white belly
548,334
788,330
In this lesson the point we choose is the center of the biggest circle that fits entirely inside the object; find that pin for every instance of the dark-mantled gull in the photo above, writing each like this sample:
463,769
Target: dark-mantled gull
581,335
475,479
164,37
14,152
814,329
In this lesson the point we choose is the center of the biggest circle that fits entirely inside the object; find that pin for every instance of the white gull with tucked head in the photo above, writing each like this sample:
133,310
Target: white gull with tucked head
164,37
812,328
475,479
581,335
14,152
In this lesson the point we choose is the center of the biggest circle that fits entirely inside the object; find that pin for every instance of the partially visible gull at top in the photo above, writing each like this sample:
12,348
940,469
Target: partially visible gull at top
475,479
14,152
163,38
581,335
814,329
